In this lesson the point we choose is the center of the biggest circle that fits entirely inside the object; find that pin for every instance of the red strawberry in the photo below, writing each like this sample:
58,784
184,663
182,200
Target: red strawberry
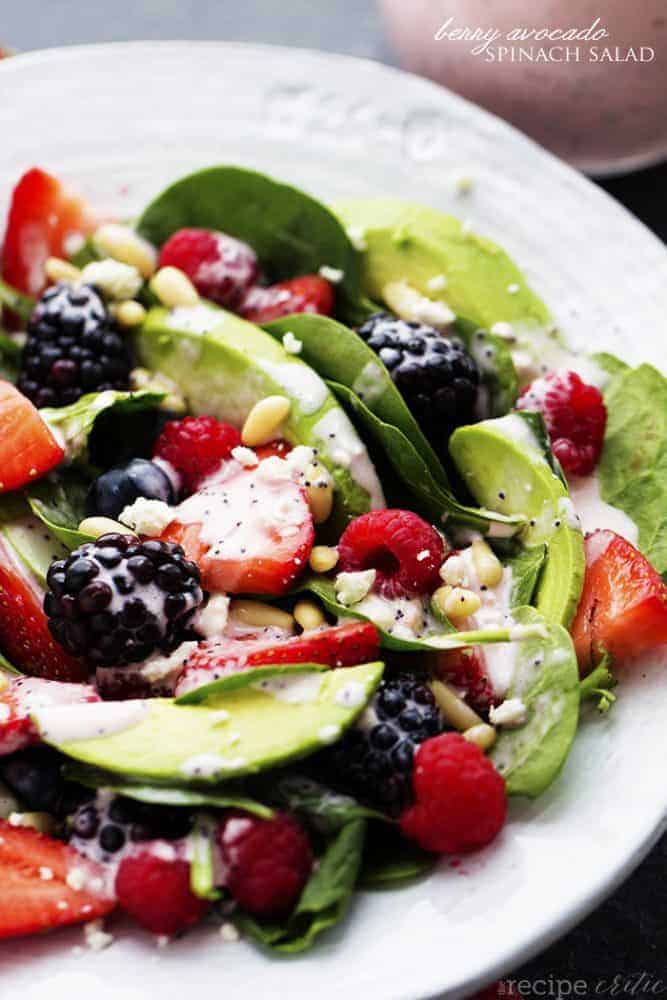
24,633
43,218
465,669
338,646
308,294
196,447
36,894
28,448
25,694
156,891
251,533
575,416
278,447
220,267
623,608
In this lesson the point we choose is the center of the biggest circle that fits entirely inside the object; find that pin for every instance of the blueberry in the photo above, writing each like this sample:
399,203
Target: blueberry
118,488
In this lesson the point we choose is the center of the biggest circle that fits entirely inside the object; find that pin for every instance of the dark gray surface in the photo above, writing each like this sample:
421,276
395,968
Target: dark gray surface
627,936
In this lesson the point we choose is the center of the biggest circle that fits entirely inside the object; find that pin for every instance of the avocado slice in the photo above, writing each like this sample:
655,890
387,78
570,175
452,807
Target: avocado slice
233,733
503,464
415,244
33,544
224,365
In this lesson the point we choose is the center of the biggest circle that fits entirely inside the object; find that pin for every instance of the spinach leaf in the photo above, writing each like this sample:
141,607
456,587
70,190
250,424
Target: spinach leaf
290,232
86,254
224,796
633,467
598,685
339,354
244,678
535,421
202,861
75,422
10,357
15,301
526,566
6,667
494,360
59,502
322,808
437,501
390,858
546,679
323,901
610,363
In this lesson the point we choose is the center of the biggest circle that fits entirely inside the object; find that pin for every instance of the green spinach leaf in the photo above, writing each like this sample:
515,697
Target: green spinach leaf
74,423
10,357
59,502
526,566
201,843
390,858
322,808
15,301
494,360
610,363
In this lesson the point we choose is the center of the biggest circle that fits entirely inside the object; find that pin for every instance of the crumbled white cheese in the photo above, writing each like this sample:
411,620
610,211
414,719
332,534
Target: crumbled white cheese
245,456
96,937
115,280
76,879
353,587
210,620
511,713
454,572
332,274
357,237
46,874
291,343
147,517
424,554
436,283
228,932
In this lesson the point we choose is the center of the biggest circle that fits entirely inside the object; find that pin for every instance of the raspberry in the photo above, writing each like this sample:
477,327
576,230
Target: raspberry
459,797
405,551
307,294
156,892
575,416
267,861
465,669
220,267
196,446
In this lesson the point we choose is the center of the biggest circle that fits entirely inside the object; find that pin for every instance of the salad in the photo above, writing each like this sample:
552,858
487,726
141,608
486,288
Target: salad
315,543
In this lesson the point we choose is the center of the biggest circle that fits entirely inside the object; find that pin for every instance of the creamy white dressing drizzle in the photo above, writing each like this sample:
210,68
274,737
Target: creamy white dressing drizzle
595,513
94,720
295,690
299,382
340,441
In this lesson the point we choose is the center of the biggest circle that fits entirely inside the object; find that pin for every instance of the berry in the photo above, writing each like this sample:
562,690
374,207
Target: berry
196,447
436,376
34,775
24,632
36,895
623,607
307,294
374,760
117,600
28,449
575,416
220,267
404,550
73,347
43,219
109,825
339,646
156,892
268,862
118,488
459,797
23,696
465,669
250,534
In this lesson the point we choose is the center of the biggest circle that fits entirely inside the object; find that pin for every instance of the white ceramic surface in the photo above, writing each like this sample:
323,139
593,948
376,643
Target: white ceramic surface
121,121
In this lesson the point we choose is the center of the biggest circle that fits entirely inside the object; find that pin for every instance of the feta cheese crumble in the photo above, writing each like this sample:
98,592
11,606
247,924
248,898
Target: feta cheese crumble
332,274
353,587
511,713
147,517
245,456
291,343
115,280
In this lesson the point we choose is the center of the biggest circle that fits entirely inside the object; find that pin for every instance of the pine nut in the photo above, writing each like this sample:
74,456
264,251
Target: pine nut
454,709
483,735
130,313
459,603
261,615
487,565
319,492
124,244
308,615
96,526
453,571
263,422
57,269
323,558
173,288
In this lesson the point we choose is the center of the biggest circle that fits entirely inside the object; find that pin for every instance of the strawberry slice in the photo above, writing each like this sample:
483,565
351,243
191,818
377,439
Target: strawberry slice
26,694
38,875
307,294
465,669
339,646
24,633
623,608
28,448
251,533
43,220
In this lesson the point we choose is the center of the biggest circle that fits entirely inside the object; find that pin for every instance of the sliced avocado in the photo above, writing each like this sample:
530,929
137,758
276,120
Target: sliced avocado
411,243
504,466
234,733
224,365
34,545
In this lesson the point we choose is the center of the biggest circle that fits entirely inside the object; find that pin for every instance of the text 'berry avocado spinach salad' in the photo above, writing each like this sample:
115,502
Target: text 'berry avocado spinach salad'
314,538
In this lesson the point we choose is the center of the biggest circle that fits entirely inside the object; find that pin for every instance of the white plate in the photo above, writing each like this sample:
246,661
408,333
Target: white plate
120,122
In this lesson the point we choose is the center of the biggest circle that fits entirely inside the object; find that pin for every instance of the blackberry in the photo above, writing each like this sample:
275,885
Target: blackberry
118,488
373,761
73,347
117,600
436,376
34,775
109,825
